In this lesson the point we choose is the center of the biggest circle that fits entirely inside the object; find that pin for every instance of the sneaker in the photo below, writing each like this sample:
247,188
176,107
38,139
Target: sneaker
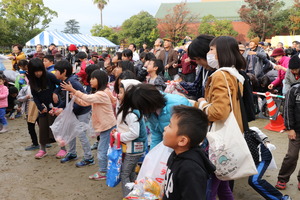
32,147
48,145
286,197
19,114
4,129
94,146
69,157
40,154
11,116
85,162
61,154
280,185
98,176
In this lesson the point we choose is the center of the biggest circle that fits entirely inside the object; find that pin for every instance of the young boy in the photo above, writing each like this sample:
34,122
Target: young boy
154,67
48,61
63,72
292,124
188,166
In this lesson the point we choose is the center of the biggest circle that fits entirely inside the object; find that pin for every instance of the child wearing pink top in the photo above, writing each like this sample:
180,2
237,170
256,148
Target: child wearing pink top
3,104
103,118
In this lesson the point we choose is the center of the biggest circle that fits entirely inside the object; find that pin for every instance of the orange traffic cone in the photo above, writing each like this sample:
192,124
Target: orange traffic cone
276,122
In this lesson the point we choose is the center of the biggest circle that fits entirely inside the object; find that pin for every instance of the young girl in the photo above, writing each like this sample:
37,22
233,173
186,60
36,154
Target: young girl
132,130
42,85
103,117
3,104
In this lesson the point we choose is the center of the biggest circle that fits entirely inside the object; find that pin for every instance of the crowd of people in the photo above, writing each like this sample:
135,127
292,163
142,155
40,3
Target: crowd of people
124,95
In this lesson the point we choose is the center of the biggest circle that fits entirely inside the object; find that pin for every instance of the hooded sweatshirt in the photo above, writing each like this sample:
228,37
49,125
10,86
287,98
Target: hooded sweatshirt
187,175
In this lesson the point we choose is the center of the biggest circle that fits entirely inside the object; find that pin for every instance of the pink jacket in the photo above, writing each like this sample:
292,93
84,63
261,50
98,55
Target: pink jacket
284,61
3,96
103,117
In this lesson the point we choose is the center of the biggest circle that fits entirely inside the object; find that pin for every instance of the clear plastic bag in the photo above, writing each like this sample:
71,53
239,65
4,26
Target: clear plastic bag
66,126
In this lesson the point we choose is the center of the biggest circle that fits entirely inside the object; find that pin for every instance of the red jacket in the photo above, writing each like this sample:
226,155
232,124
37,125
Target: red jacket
187,67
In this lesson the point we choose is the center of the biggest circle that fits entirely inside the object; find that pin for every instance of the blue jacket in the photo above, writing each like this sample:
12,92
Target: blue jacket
158,123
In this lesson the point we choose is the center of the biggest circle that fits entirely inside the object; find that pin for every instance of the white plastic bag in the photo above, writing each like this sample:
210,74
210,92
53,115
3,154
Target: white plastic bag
66,126
155,163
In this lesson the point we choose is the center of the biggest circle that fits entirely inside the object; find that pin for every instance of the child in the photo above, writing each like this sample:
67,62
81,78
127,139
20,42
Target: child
188,166
155,67
12,102
3,104
31,111
292,124
48,61
42,85
103,117
63,72
132,131
21,80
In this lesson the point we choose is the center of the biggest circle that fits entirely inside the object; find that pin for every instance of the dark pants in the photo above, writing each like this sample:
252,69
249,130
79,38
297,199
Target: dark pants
32,133
45,133
220,188
289,163
190,77
264,188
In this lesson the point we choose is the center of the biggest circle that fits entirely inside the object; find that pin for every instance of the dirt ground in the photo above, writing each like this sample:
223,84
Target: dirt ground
23,177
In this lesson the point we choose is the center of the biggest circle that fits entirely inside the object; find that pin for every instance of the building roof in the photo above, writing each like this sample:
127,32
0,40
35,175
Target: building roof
220,10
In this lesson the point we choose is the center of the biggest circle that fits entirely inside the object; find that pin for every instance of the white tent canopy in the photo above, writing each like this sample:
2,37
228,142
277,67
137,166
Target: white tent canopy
62,39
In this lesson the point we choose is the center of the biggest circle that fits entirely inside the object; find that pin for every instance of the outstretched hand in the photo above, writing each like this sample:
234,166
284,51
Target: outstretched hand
67,87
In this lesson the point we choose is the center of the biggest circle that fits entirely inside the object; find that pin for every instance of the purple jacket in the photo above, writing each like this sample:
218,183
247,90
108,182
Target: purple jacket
3,96
284,61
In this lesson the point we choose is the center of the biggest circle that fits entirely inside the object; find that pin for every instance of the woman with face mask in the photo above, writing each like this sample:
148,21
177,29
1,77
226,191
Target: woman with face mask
224,57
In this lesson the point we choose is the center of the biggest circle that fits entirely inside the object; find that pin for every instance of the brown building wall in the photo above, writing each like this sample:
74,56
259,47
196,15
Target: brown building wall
241,27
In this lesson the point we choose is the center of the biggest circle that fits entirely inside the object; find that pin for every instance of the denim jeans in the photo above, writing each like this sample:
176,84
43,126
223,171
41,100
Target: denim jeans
102,149
83,139
128,171
2,116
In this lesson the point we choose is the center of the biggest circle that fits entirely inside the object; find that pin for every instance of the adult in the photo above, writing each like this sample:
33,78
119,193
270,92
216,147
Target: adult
38,51
51,49
71,57
169,57
144,48
157,47
224,56
135,56
281,67
16,56
292,74
187,65
255,56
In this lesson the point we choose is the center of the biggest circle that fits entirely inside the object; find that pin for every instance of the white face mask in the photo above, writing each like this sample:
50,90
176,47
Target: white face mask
212,61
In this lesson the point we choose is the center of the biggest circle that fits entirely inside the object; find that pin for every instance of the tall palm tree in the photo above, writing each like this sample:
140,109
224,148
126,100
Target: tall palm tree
101,4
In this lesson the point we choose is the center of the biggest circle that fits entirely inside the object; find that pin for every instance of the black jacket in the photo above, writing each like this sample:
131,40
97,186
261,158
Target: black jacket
187,175
77,109
292,108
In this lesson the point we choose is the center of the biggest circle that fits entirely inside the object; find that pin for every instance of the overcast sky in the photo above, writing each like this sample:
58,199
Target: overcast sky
87,14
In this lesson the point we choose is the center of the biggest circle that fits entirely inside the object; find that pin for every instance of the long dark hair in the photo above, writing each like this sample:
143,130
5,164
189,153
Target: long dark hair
143,97
228,52
124,75
35,83
102,79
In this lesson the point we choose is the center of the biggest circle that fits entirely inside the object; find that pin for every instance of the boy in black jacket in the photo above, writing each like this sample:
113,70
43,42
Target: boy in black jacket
188,166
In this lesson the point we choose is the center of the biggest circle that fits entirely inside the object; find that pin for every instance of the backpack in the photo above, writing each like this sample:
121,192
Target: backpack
248,97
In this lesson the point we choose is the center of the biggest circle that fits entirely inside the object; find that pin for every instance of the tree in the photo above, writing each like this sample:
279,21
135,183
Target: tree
23,19
72,27
174,25
212,26
260,16
105,31
101,4
294,18
138,29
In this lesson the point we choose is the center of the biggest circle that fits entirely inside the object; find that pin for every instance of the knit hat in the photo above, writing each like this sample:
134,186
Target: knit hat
294,62
72,47
255,40
278,52
129,82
